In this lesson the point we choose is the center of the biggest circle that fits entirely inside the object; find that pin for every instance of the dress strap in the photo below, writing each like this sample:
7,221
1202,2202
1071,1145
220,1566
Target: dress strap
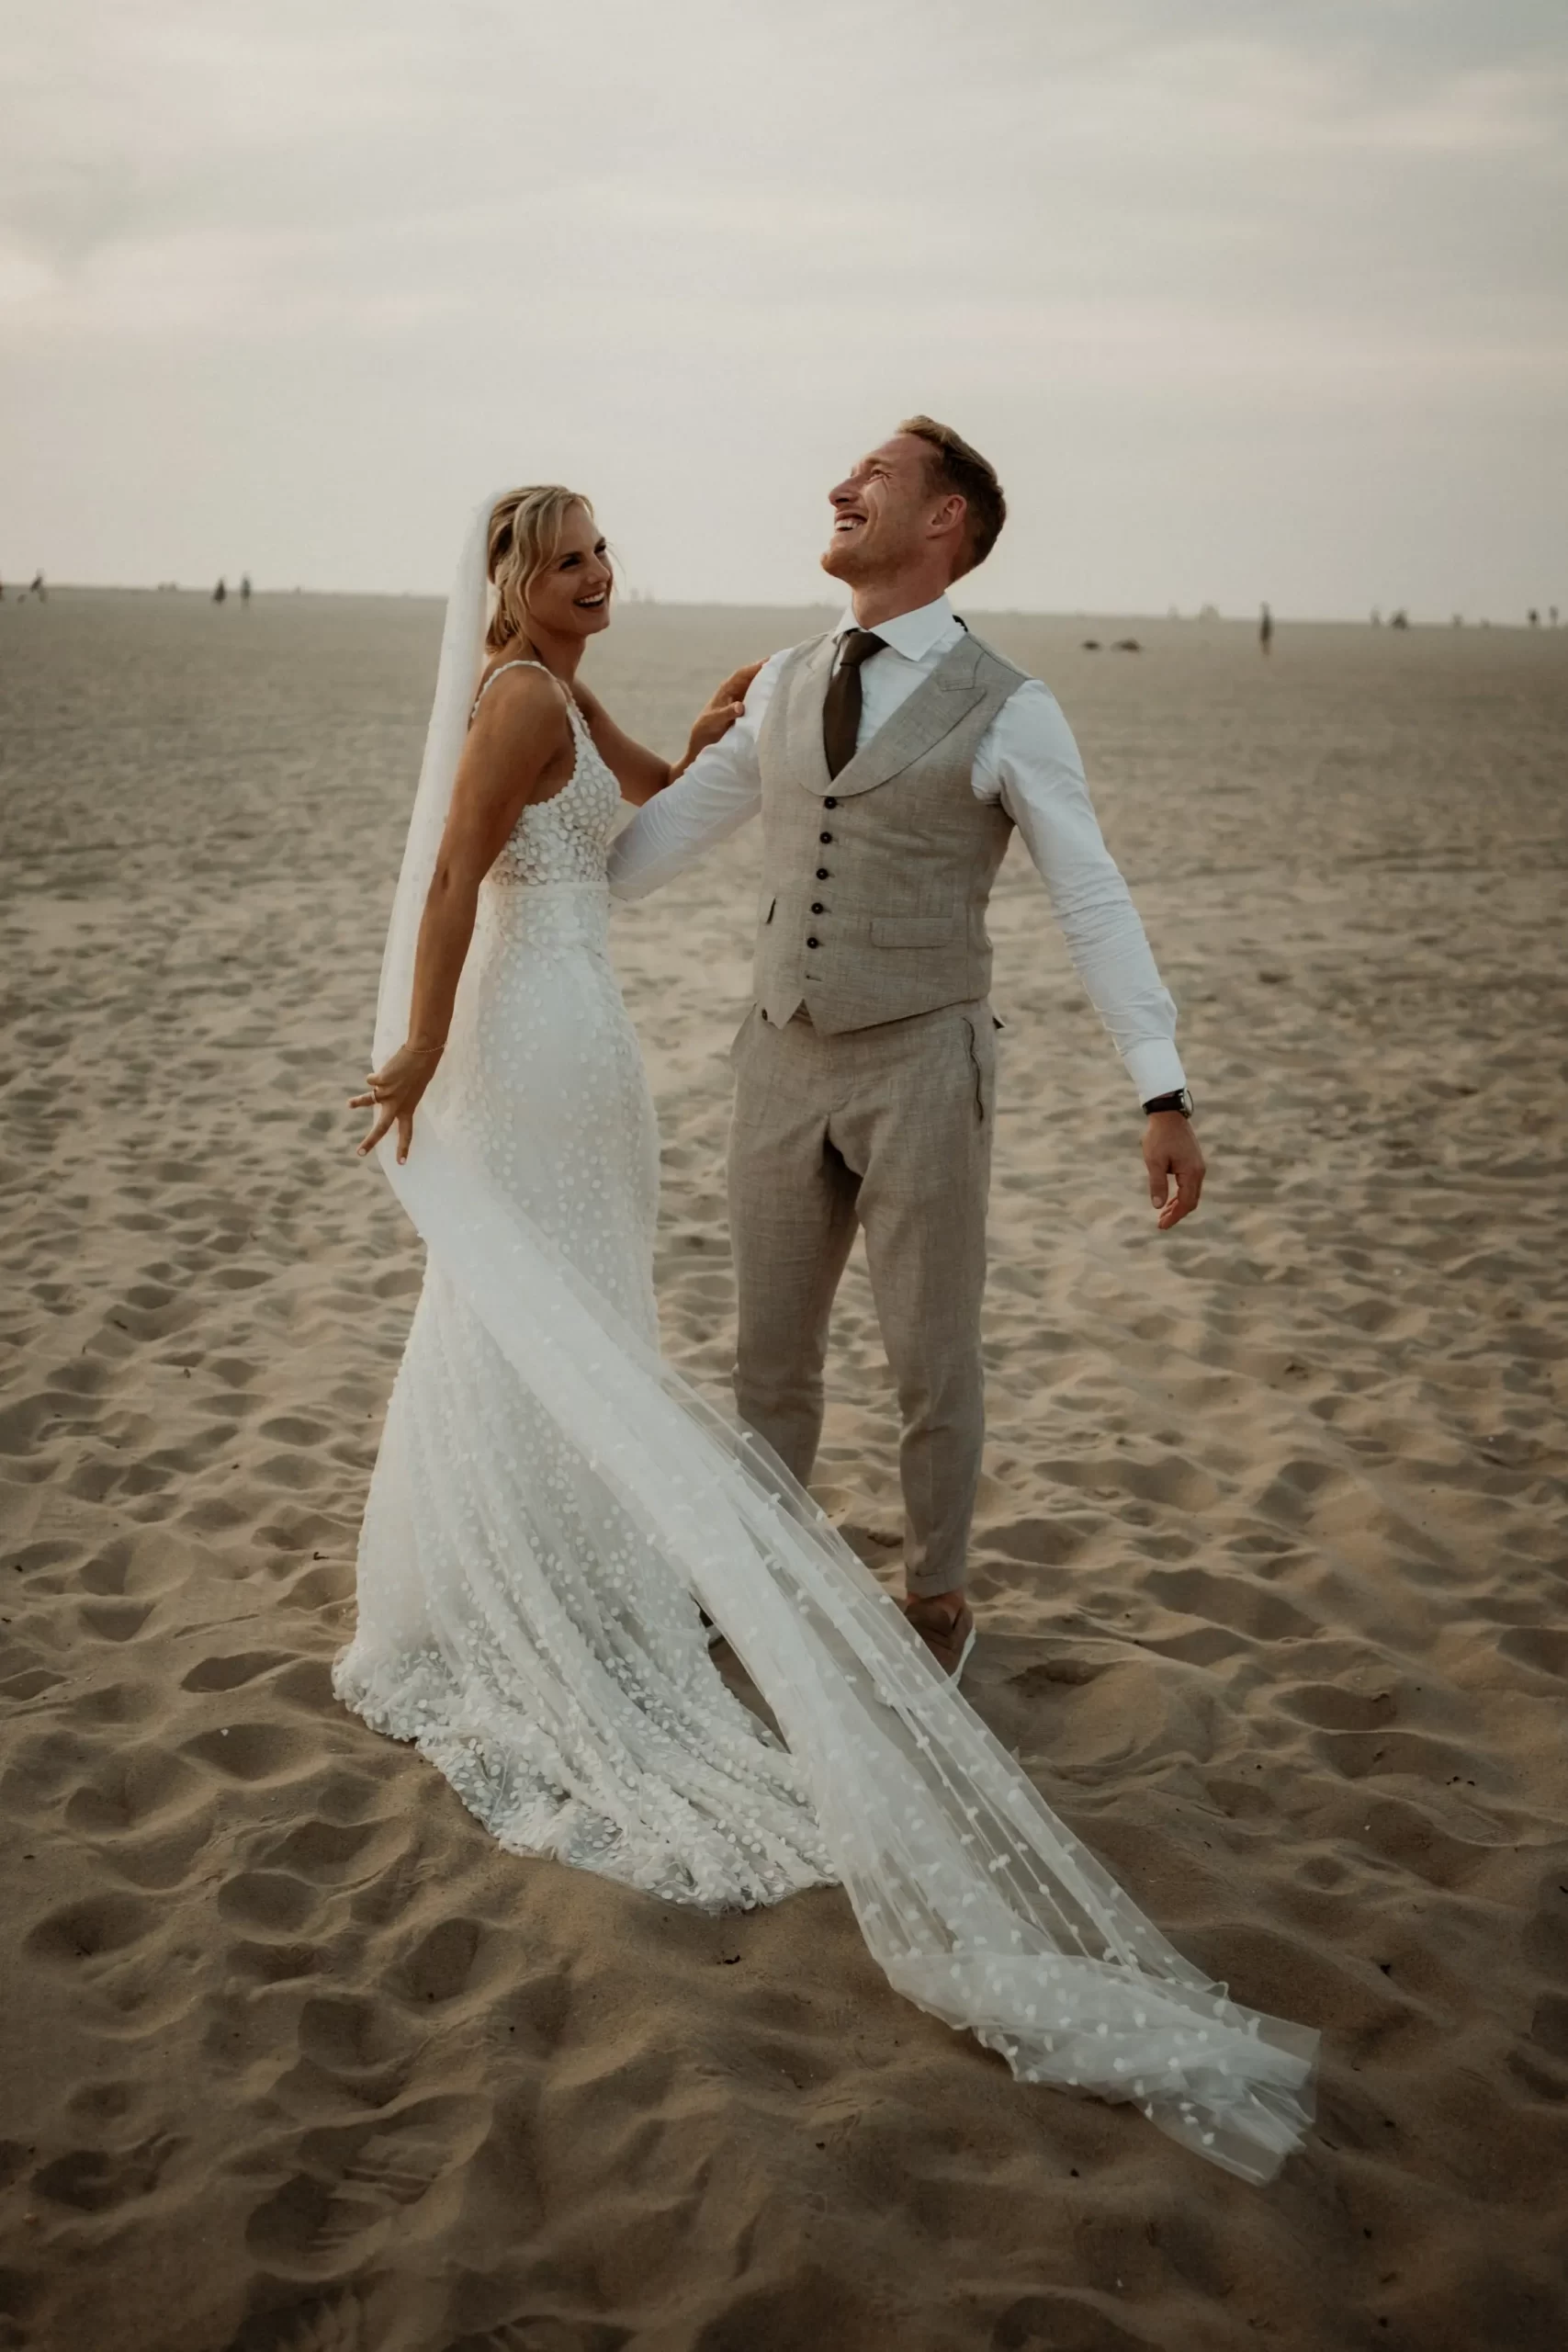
573,707
519,664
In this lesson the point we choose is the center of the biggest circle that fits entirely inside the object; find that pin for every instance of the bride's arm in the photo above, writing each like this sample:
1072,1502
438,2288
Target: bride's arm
519,751
642,773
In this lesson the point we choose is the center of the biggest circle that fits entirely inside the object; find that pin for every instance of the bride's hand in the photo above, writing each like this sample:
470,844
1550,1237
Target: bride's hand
394,1093
722,709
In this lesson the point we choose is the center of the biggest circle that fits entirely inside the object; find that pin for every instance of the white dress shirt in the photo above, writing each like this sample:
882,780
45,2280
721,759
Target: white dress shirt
1027,760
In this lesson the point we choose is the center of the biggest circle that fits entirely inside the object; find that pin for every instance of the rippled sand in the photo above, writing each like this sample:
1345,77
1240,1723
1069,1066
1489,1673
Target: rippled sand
1270,1551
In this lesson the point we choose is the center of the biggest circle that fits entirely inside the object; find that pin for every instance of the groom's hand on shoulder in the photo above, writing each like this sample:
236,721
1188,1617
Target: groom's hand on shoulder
1173,1159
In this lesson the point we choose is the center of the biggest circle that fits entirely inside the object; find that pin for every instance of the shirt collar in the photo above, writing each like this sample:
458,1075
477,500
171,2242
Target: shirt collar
911,634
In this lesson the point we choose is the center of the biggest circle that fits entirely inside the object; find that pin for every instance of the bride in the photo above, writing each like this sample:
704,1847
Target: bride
554,1512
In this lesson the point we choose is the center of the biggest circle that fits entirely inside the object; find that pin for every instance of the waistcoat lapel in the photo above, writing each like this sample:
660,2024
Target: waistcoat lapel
932,711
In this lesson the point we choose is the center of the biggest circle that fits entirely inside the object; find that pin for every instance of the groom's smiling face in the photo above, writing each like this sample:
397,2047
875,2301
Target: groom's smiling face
883,512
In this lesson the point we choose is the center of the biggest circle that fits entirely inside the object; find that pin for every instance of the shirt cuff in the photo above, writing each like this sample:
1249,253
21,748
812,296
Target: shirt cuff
1155,1067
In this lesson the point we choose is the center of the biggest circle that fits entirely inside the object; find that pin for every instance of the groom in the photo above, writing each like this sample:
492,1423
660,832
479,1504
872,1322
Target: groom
891,761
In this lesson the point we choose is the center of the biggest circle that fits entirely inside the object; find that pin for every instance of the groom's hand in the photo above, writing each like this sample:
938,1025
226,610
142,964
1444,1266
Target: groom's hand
1175,1162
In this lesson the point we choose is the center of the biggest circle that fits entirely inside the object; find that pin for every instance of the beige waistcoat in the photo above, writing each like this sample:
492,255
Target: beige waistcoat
897,925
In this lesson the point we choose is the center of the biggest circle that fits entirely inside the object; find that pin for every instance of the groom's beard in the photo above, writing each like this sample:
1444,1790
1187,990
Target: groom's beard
857,566
870,556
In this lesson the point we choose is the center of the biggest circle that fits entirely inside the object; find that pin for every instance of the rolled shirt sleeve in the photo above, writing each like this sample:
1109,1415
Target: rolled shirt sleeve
1030,761
721,792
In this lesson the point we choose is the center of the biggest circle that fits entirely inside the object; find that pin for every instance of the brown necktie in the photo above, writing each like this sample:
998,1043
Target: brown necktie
841,710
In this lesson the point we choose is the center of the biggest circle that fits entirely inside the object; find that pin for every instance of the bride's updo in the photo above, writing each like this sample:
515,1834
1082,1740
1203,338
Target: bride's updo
526,528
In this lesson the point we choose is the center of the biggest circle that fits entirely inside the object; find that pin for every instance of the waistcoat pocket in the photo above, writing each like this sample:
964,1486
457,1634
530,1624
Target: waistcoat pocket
912,931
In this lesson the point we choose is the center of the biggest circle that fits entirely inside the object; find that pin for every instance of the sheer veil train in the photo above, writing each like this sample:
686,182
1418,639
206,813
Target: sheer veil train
973,1898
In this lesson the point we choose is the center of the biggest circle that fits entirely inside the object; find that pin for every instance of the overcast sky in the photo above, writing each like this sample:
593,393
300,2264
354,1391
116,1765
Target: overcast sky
1243,299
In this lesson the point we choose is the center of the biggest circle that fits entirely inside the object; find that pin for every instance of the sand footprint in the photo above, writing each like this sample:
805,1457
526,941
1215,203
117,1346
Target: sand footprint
115,1621
439,1966
361,2178
543,2332
1541,1647
95,2179
338,2322
101,1927
249,1751
1234,1602
323,1851
271,1903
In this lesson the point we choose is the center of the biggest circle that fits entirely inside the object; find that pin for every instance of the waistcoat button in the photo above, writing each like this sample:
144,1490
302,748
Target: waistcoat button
817,908
830,802
824,837
814,943
821,874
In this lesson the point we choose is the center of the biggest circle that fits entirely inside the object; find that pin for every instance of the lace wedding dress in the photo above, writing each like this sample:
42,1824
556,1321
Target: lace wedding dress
551,1505
512,1619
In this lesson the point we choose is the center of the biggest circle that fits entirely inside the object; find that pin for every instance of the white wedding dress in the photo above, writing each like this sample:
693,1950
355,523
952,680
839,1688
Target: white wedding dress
551,1504
512,1619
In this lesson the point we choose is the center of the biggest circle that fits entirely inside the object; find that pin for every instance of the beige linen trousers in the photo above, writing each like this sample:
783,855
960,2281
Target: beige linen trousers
865,1079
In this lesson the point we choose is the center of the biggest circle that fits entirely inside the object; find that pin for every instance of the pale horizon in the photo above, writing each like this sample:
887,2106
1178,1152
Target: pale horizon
1243,306
1200,618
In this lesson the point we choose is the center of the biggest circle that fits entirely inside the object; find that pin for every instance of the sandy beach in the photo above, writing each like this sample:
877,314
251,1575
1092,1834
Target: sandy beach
1270,1559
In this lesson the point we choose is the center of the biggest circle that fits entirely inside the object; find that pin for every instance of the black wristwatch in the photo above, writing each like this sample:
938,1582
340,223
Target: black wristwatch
1181,1101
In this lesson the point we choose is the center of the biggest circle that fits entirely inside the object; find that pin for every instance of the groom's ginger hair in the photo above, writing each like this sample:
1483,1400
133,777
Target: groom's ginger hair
956,466
526,528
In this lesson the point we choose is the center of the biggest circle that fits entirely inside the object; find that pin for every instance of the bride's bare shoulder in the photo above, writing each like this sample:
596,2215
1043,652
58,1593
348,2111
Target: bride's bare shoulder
518,697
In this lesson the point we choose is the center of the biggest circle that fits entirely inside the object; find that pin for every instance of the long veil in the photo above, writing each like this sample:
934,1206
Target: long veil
978,1903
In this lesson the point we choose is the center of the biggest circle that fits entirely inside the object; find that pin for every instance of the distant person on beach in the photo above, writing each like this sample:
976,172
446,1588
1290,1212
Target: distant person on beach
36,588
245,588
1266,629
552,1507
221,594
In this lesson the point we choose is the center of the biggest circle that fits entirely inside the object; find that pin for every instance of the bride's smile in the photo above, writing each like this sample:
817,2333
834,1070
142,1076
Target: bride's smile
571,597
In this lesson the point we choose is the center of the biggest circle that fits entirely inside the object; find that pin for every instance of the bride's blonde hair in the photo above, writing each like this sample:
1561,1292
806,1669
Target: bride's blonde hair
526,528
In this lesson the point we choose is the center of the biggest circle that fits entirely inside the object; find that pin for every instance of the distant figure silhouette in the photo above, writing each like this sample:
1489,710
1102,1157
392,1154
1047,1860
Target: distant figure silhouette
38,588
1377,617
1401,619
221,594
1535,617
1266,629
244,588
1091,645
1127,645
1552,615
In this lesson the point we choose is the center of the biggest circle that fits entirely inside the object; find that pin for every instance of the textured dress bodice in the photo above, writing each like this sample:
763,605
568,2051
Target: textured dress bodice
566,838
543,1078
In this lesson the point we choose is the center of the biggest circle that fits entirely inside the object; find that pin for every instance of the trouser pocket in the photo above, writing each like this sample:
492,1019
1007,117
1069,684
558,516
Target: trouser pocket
980,1065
